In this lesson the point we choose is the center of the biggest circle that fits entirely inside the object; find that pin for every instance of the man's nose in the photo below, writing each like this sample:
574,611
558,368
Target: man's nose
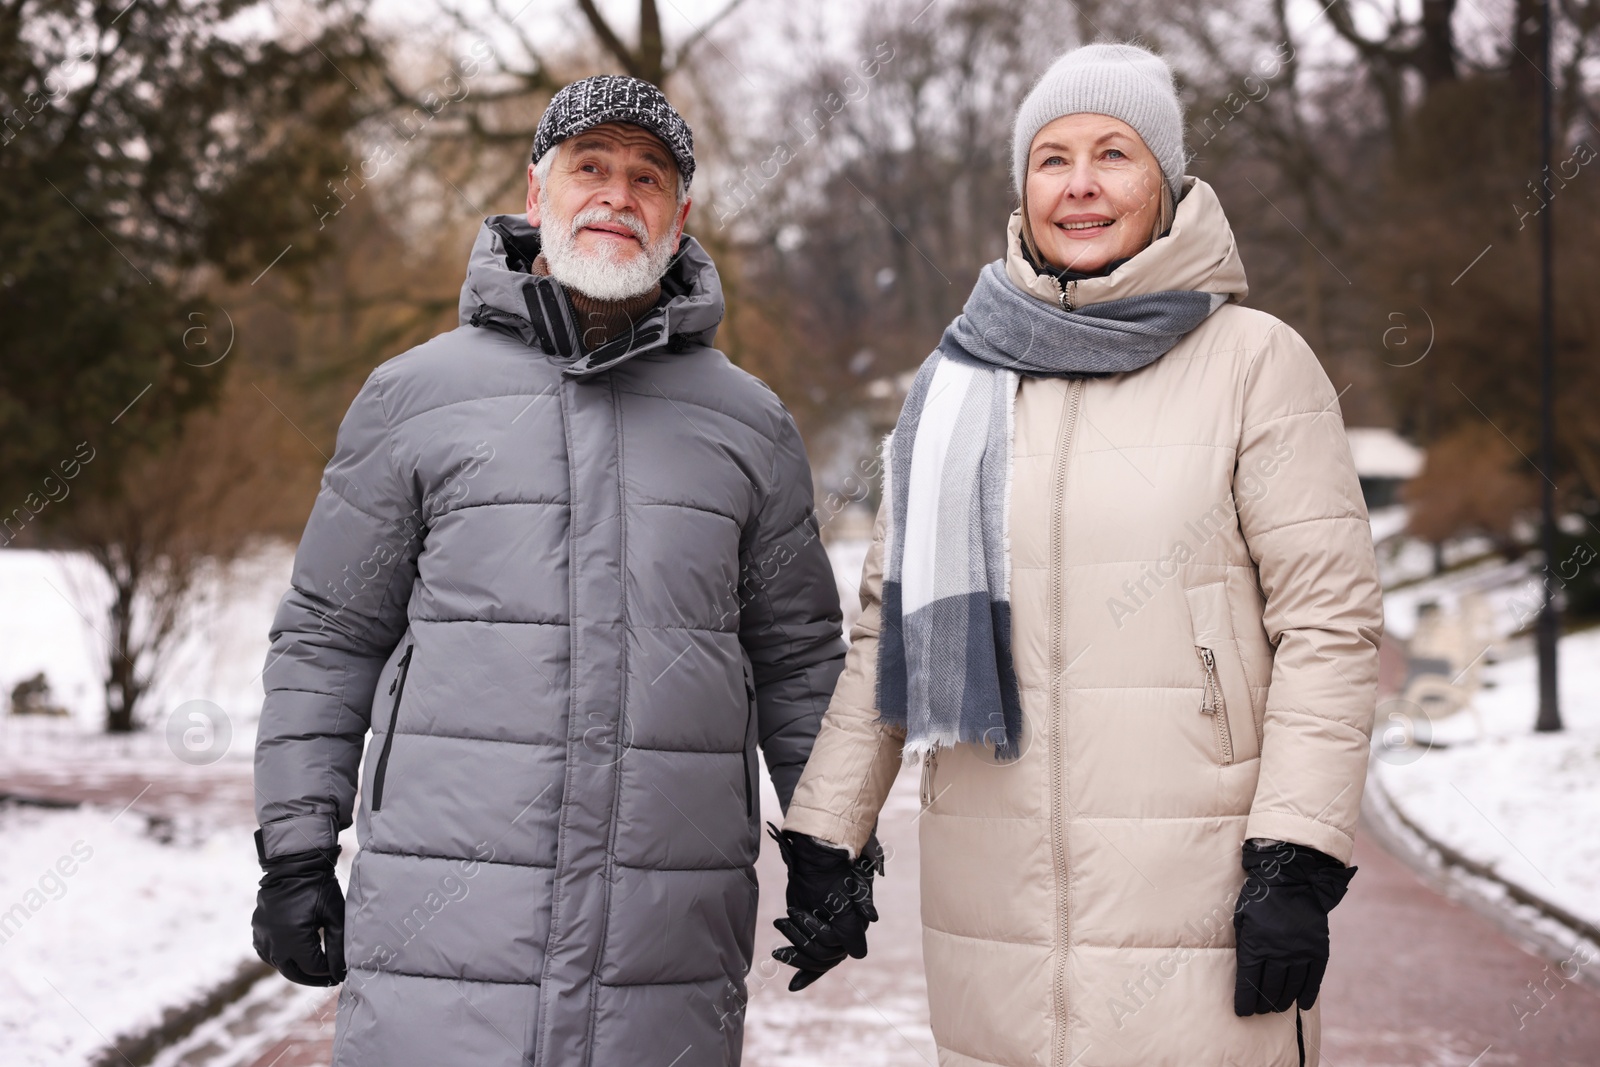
617,194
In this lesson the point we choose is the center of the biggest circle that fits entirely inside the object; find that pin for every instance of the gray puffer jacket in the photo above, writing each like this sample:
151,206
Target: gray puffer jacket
568,594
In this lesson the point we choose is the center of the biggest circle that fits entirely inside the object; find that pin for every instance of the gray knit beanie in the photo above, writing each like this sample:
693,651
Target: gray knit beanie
1123,81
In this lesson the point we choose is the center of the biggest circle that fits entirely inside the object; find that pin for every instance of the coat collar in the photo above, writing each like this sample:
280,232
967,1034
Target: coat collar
500,292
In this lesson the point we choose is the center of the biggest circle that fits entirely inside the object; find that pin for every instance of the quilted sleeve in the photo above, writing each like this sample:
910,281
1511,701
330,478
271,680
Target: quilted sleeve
856,758
343,615
1312,545
789,620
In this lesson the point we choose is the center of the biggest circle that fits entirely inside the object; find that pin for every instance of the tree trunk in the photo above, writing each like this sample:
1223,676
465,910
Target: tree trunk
1436,53
652,53
123,688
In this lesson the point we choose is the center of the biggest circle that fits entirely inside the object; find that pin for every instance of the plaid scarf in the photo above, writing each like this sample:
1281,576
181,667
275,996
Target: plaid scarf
945,671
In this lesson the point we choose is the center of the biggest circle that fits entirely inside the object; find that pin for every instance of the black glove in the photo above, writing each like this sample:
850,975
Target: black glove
830,904
1281,926
300,899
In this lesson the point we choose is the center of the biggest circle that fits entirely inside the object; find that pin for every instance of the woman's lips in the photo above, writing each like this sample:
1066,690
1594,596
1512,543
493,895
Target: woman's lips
1083,229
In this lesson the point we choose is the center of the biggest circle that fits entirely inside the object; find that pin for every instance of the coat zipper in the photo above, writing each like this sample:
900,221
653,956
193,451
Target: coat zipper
1211,704
1069,293
398,688
1058,833
744,753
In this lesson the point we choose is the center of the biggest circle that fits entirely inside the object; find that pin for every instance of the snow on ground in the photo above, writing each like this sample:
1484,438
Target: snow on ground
1526,804
107,915
55,622
848,556
104,924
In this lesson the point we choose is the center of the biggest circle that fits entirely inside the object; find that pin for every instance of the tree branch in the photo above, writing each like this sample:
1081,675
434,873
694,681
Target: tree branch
680,55
608,37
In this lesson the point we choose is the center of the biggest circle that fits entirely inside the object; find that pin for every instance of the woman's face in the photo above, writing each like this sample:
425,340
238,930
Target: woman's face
1093,191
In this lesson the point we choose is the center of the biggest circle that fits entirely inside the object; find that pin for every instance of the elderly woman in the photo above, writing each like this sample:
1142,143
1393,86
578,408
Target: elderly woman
1123,602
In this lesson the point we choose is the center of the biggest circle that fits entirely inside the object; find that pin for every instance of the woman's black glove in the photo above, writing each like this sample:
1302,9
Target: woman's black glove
830,904
1281,926
298,925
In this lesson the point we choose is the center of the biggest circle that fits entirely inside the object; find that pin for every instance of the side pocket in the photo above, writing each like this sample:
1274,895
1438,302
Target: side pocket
929,762
746,755
1226,688
1213,704
398,688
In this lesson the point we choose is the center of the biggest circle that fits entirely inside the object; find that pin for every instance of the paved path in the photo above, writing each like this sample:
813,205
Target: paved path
1416,981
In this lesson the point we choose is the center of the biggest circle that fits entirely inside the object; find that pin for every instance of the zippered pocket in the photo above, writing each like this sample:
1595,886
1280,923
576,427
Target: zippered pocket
1226,694
1213,704
744,754
398,688
929,762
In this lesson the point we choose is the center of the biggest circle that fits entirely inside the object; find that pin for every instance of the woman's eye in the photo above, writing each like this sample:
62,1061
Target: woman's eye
1053,161
1115,153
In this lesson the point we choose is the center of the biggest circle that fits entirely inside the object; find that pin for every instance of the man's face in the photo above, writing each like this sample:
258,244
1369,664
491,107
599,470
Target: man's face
622,180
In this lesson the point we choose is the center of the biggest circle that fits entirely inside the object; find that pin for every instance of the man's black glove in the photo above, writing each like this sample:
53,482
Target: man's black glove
298,925
1281,926
830,904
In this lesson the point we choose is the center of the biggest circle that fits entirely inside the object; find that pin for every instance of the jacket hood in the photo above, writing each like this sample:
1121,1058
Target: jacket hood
500,292
1197,254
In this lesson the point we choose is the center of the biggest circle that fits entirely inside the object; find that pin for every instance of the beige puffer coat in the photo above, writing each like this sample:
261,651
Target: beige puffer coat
1196,621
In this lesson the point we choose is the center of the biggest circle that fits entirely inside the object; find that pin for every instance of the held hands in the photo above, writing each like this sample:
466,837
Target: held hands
830,904
298,925
1281,926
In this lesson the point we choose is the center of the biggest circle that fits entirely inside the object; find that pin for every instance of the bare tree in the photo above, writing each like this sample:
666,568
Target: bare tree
866,206
176,514
476,143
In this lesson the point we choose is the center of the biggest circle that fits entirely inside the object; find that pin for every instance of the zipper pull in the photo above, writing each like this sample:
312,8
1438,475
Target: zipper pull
405,662
928,762
1068,291
1207,705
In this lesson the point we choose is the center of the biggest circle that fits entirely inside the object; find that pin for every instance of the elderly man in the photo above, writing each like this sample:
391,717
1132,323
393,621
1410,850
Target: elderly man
565,567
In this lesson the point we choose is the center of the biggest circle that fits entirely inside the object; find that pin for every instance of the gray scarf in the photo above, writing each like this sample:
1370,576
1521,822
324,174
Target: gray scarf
945,672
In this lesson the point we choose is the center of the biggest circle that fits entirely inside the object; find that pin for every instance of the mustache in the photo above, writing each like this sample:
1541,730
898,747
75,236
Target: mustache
632,223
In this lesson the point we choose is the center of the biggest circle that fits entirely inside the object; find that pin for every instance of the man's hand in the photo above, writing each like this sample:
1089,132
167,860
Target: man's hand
1281,926
830,904
298,925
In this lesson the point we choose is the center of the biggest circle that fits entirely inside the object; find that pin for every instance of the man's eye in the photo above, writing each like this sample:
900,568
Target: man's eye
589,168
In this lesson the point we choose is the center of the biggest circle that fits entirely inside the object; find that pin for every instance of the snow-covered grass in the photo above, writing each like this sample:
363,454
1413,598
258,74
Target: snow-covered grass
1525,804
55,622
103,926
108,918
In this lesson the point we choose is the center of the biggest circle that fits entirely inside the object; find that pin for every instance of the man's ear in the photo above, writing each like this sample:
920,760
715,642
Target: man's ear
533,197
683,217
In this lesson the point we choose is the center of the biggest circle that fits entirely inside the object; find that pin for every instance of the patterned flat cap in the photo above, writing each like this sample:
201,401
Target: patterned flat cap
588,103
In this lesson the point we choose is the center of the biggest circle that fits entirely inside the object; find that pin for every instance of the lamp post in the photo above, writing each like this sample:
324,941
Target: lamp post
1549,624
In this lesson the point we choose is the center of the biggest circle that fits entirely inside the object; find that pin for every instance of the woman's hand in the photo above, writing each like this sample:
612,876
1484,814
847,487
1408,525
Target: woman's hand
1280,925
830,904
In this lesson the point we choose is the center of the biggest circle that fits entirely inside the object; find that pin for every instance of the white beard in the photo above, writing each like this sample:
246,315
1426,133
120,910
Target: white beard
616,275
